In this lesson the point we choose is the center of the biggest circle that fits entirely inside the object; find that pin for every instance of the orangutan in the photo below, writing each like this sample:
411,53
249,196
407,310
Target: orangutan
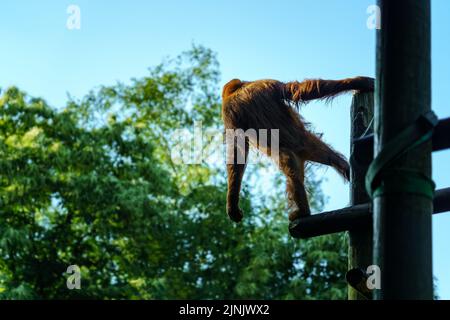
271,104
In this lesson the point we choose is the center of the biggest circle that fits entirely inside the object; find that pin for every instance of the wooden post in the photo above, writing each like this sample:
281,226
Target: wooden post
360,240
402,221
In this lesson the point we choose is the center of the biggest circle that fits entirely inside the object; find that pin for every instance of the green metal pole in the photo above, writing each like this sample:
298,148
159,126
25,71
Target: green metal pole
402,221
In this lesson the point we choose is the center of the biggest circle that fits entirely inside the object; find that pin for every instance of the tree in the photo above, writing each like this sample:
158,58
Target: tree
94,184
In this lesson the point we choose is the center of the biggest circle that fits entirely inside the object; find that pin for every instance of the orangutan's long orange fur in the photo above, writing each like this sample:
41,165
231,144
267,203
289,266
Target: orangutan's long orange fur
270,104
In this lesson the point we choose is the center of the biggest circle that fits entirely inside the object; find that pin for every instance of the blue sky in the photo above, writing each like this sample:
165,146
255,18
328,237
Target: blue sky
283,39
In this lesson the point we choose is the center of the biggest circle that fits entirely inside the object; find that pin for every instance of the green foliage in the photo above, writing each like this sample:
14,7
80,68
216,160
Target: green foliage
93,184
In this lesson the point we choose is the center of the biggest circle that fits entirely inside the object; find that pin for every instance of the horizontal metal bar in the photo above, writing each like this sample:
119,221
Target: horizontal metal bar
441,140
351,218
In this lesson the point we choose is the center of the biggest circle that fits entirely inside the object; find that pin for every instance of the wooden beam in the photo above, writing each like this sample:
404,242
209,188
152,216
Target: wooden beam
351,218
334,221
440,141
